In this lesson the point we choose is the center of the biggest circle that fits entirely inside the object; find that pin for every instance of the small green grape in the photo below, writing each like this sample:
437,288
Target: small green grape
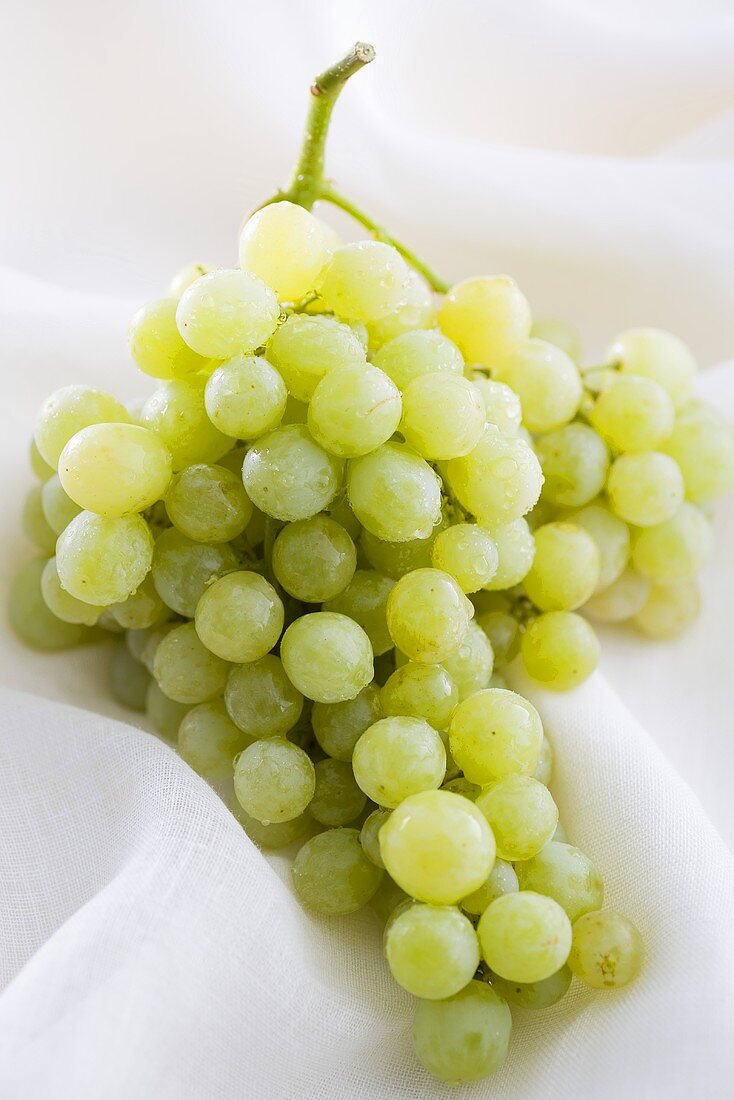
209,741
260,698
274,780
468,553
535,995
67,411
182,569
524,937
575,464
288,476
560,650
645,489
420,691
227,313
499,481
314,559
305,349
327,656
364,281
103,560
522,815
354,410
546,380
428,615
484,316
365,600
332,875
30,617
675,549
157,346
607,950
633,414
495,733
337,798
394,493
565,570
245,397
240,617
397,757
432,951
565,874
339,726
115,469
285,246
515,547
658,355
185,670
208,503
669,609
502,879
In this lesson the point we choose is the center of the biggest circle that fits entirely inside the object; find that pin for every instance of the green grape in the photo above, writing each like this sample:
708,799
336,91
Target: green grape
185,669
327,656
465,1037
502,879
387,898
340,510
704,450
468,553
128,679
182,569
260,698
278,834
443,415
208,503
524,937
394,493
164,714
559,650
63,605
565,570
67,411
58,507
428,615
413,355
499,481
674,550
565,874
183,278
41,469
339,726
227,313
354,410
274,780
503,631
501,404
494,734
645,489
658,355
30,616
544,768
621,600
432,951
397,757
208,740
607,950
437,846
522,814
535,995
546,380
332,875
157,346
288,476
285,246
314,559
669,609
115,469
417,312
369,836
35,525
364,281
101,560
484,316
395,559
470,665
575,464
515,547
461,785
337,799
305,349
176,413
153,640
558,333
245,397
420,691
240,617
365,600
633,414
612,538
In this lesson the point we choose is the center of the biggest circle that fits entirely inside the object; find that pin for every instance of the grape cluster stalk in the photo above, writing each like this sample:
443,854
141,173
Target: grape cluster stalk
356,498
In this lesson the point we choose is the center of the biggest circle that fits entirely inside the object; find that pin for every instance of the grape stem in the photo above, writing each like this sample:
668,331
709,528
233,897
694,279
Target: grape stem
307,185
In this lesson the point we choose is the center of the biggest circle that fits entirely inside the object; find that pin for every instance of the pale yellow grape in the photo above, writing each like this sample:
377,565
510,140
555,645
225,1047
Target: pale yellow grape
285,246
443,415
544,768
186,671
314,559
468,553
226,313
157,346
413,355
395,559
165,714
35,524
327,656
58,507
176,413
114,469
184,277
669,609
704,450
534,995
332,875
397,757
546,380
633,413
245,397
417,312
420,691
674,550
208,503
143,608
240,616
208,740
337,798
101,560
364,281
278,834
621,600
646,488
40,467
503,631
428,615
369,836
128,679
524,937
495,733
465,1037
607,950
288,476
575,464
437,846
304,349
471,663
559,649
612,538
63,605
565,570
365,600
182,569
432,951
339,726
564,873
501,404
515,551
274,780
484,315
521,813
501,880
394,493
658,355
499,481
260,698
354,410
558,333
67,411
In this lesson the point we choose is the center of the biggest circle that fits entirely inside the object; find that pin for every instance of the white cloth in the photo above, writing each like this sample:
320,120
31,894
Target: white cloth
147,948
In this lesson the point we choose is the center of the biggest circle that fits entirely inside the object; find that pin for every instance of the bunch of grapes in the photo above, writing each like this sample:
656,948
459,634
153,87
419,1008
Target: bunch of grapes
346,507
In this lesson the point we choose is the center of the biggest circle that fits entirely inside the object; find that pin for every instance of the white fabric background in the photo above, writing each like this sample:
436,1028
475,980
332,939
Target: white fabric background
146,948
